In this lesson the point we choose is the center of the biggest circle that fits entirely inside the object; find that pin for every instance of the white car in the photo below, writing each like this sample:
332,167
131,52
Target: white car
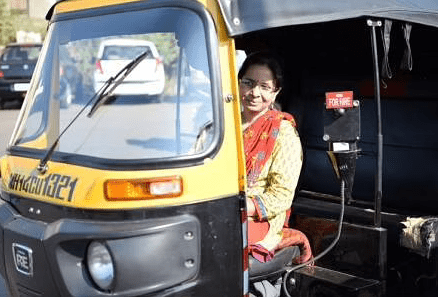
147,78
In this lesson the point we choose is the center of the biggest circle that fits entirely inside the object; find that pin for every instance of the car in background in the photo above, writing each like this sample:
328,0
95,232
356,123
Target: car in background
147,78
17,64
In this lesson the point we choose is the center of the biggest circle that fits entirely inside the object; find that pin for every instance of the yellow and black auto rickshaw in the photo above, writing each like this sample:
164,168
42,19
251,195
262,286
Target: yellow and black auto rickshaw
125,173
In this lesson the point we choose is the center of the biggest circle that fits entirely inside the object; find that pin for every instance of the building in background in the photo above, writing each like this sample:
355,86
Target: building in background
33,8
32,11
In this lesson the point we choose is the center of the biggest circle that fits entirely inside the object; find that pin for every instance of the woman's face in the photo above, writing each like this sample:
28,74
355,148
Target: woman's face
257,88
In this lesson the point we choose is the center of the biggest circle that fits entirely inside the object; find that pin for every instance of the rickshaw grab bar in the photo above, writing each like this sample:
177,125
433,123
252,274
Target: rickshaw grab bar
378,190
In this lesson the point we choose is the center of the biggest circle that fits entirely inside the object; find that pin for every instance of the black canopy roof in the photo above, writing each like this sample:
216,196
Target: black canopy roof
243,16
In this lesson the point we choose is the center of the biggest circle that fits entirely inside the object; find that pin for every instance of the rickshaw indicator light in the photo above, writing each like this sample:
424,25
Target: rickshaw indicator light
143,189
160,188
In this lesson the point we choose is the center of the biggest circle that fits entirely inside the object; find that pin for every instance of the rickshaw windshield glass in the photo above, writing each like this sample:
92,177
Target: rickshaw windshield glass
162,108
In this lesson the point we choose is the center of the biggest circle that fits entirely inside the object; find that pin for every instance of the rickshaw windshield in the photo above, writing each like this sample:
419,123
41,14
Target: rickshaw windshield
163,108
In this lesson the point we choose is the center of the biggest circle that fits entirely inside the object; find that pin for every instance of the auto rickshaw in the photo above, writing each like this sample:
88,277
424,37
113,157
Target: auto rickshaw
122,192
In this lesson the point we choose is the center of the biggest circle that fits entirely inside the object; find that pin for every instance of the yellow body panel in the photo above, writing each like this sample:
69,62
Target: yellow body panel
215,179
228,63
74,5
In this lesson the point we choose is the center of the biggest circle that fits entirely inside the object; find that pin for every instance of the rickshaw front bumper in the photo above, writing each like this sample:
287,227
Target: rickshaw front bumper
50,259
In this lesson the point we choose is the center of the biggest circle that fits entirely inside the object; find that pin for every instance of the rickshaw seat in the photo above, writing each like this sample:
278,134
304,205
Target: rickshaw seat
282,258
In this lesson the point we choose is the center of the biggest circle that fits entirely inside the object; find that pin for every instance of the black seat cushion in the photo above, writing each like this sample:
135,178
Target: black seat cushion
282,258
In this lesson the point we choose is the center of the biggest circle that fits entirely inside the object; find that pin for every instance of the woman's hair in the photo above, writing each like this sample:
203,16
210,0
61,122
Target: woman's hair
263,59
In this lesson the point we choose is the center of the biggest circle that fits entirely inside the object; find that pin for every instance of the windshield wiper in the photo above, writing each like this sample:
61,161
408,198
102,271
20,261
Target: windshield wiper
114,81
102,96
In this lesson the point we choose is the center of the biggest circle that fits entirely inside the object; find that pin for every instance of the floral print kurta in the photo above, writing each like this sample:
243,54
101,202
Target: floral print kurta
272,188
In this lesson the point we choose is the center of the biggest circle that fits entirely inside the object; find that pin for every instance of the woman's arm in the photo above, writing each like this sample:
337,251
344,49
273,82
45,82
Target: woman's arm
283,175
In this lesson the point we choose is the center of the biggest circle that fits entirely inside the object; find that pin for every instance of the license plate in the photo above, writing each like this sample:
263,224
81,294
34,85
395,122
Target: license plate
23,259
21,87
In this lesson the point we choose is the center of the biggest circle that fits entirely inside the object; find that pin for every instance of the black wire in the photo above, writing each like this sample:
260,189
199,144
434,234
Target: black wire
323,253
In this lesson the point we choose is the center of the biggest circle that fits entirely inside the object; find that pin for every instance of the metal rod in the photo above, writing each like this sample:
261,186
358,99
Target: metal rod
378,187
178,104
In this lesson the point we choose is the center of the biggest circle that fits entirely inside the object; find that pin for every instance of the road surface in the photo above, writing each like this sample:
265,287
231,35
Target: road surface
7,124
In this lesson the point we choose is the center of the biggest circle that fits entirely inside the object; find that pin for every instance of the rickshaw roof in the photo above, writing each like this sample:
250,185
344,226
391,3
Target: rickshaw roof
244,16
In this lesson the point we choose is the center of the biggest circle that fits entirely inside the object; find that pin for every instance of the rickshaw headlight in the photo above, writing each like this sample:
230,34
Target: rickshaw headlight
100,265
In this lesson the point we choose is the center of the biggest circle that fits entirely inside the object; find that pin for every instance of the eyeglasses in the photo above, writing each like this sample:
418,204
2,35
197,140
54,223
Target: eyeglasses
251,84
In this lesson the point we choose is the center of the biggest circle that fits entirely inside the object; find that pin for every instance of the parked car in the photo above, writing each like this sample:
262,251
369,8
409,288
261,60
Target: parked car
147,78
17,64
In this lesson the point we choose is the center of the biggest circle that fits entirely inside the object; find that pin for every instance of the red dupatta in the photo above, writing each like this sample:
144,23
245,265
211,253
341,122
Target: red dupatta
259,141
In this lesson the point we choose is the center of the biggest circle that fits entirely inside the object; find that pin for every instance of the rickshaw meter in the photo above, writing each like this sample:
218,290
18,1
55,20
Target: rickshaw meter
100,265
342,132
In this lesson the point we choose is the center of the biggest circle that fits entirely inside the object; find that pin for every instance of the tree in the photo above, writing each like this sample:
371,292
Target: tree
7,32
